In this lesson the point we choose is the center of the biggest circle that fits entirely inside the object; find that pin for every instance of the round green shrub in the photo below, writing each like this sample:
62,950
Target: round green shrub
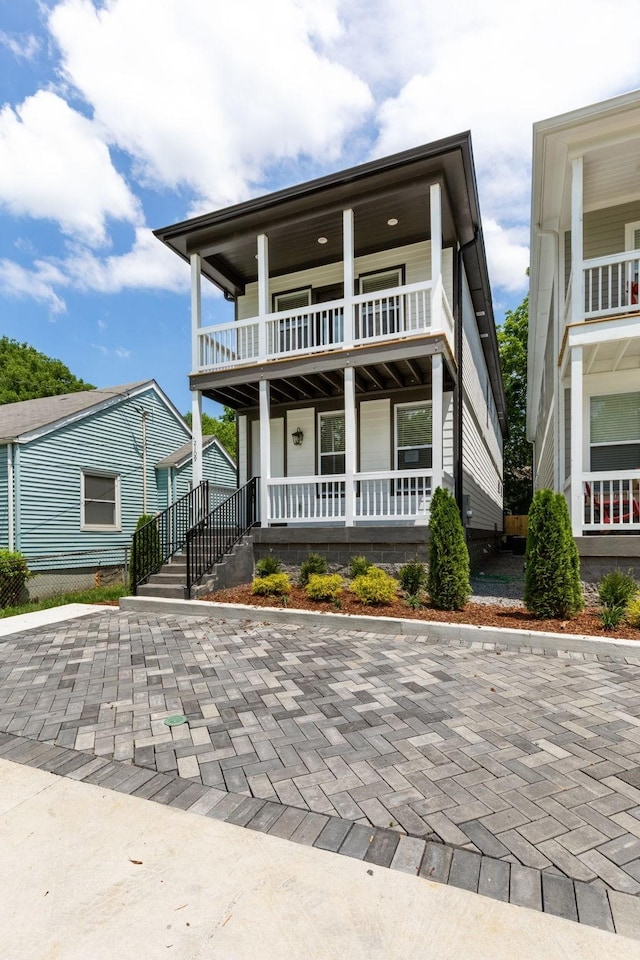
632,613
448,580
313,564
358,566
14,573
552,575
375,586
324,586
412,577
273,585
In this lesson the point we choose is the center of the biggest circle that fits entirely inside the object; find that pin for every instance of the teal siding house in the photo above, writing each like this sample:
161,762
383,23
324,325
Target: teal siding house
77,470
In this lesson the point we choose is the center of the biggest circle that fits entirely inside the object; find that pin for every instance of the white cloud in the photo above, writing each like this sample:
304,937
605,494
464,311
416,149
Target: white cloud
23,46
22,284
206,96
507,256
53,165
119,352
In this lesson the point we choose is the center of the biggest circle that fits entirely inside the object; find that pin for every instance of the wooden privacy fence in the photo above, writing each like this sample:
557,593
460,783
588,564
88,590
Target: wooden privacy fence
516,526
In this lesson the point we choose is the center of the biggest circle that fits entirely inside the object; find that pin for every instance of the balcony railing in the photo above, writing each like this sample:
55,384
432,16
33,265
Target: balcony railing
403,495
612,501
611,285
410,310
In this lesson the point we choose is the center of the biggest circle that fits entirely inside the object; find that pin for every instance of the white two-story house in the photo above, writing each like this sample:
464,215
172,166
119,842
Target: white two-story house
360,352
584,330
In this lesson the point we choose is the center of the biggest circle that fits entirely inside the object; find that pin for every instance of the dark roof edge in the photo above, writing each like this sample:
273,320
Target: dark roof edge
311,187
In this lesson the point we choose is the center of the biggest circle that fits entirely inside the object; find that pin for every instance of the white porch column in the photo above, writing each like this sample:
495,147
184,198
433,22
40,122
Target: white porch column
196,396
435,206
436,420
349,274
263,294
349,445
265,450
577,275
577,493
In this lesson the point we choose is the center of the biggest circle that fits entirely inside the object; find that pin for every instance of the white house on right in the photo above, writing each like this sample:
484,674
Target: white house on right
583,402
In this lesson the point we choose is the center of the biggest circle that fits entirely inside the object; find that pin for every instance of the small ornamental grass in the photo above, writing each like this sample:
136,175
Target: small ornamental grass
314,564
375,586
268,565
273,585
324,586
616,589
358,566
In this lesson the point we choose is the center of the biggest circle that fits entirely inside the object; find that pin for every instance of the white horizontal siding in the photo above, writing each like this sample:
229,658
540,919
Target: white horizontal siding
447,434
415,257
544,457
375,435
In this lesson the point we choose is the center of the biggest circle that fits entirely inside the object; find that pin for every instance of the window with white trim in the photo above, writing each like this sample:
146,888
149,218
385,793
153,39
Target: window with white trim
414,436
615,432
331,442
100,501
291,300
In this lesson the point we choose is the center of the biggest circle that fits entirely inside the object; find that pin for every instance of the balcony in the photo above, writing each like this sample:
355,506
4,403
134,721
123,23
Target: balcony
416,309
401,496
610,287
612,502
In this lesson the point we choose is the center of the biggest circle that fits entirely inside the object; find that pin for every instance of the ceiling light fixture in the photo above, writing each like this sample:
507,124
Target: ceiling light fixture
392,222
322,240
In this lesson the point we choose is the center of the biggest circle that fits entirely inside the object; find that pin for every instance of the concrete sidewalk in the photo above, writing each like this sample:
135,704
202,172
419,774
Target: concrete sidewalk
92,873
42,618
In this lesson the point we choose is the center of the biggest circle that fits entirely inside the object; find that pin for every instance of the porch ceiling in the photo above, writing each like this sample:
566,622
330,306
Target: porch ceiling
611,356
313,385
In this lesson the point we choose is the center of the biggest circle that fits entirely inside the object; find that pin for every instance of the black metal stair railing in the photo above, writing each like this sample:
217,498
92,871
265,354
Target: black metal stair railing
211,538
163,536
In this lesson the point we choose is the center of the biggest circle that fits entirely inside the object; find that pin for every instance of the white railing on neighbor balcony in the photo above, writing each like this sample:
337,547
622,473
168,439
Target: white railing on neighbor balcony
387,495
409,310
612,501
611,285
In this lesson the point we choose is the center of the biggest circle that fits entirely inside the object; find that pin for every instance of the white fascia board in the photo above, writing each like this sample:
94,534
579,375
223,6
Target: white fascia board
206,447
88,411
601,331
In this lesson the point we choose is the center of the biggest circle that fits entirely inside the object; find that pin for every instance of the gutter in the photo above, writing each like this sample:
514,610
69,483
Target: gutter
10,498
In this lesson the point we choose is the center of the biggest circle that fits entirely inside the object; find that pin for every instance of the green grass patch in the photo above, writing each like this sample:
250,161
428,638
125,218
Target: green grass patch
97,595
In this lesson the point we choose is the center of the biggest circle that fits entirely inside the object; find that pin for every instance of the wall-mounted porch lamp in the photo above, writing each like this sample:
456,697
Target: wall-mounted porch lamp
297,436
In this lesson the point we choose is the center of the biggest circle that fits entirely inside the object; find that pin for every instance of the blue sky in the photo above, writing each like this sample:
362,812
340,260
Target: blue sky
118,117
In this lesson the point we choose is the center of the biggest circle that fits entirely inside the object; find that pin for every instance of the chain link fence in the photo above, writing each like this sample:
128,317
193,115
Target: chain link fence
53,575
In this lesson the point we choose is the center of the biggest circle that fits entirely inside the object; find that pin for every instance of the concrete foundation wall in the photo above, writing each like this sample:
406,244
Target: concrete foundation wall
53,583
601,555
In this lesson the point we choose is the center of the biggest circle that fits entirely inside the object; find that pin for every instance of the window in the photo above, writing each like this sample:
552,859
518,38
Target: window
331,440
413,436
615,432
380,316
100,501
292,300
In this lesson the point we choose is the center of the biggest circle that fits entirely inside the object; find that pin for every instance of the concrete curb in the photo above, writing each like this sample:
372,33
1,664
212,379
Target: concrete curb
425,629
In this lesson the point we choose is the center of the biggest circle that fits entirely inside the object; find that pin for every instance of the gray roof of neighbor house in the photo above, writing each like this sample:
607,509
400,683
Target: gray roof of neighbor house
27,416
183,453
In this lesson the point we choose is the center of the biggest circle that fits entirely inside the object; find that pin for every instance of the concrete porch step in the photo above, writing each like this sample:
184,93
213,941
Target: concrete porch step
170,591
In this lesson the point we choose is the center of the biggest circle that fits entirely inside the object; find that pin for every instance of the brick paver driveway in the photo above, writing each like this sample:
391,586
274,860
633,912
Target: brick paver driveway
527,758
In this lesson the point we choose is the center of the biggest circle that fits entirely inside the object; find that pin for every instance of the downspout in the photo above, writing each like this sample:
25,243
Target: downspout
11,499
458,405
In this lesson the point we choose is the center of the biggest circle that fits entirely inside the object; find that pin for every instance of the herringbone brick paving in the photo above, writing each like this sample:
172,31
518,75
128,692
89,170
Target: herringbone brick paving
530,760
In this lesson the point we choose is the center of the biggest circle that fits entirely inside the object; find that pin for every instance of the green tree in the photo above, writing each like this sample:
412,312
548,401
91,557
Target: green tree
518,472
26,374
222,427
448,580
552,578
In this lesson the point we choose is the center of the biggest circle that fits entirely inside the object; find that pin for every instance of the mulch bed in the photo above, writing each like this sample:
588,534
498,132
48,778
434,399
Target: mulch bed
477,614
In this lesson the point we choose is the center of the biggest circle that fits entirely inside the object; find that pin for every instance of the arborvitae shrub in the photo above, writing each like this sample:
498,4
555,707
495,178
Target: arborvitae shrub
267,565
324,586
375,586
313,564
552,577
358,567
412,577
146,556
448,580
273,585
